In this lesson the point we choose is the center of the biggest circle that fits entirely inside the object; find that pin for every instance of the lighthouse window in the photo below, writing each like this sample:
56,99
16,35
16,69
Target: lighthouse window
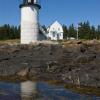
31,1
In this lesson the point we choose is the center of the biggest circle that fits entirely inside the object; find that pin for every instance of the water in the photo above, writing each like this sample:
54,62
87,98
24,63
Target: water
38,91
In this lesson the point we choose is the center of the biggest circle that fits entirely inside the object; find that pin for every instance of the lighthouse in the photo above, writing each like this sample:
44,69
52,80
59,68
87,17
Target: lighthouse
29,21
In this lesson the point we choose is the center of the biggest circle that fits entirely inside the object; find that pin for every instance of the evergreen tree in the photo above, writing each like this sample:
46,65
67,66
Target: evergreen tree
72,32
84,30
9,32
98,32
92,33
65,32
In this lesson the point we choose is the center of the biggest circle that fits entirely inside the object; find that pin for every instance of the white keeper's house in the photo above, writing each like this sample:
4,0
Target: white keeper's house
55,31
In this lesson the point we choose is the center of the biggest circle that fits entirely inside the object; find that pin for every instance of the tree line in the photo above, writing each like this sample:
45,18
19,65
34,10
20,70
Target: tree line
83,31
9,32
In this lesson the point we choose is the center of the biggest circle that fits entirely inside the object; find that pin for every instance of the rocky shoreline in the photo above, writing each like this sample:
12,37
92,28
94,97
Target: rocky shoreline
74,62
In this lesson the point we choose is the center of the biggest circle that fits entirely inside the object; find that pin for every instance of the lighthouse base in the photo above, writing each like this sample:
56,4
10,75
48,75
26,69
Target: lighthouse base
27,38
33,39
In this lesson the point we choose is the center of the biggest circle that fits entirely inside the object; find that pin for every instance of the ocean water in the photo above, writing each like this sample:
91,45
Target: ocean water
39,91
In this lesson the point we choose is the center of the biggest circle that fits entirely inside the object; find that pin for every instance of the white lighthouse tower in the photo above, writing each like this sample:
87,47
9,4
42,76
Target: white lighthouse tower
29,21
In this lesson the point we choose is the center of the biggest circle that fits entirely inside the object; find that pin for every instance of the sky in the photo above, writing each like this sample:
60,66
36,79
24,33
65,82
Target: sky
65,11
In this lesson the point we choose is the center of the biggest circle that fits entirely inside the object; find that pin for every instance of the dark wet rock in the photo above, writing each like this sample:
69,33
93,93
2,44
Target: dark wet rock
79,42
87,58
72,62
52,66
83,48
24,70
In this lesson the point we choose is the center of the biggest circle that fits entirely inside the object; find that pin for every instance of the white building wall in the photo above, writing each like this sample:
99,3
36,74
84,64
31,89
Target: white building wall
29,24
55,31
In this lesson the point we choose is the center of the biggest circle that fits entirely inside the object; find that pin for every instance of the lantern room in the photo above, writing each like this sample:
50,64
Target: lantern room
30,2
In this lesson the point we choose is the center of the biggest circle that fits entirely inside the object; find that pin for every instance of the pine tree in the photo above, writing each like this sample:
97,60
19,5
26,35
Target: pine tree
84,30
72,32
65,31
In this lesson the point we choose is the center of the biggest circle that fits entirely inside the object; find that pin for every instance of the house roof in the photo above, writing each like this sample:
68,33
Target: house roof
55,22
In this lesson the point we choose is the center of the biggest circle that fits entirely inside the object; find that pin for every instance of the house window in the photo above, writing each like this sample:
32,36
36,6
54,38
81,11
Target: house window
53,33
58,29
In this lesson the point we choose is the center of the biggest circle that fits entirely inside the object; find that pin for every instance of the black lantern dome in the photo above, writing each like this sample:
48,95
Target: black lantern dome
30,2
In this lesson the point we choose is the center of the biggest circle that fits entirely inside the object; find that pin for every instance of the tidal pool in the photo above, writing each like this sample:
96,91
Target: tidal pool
39,91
